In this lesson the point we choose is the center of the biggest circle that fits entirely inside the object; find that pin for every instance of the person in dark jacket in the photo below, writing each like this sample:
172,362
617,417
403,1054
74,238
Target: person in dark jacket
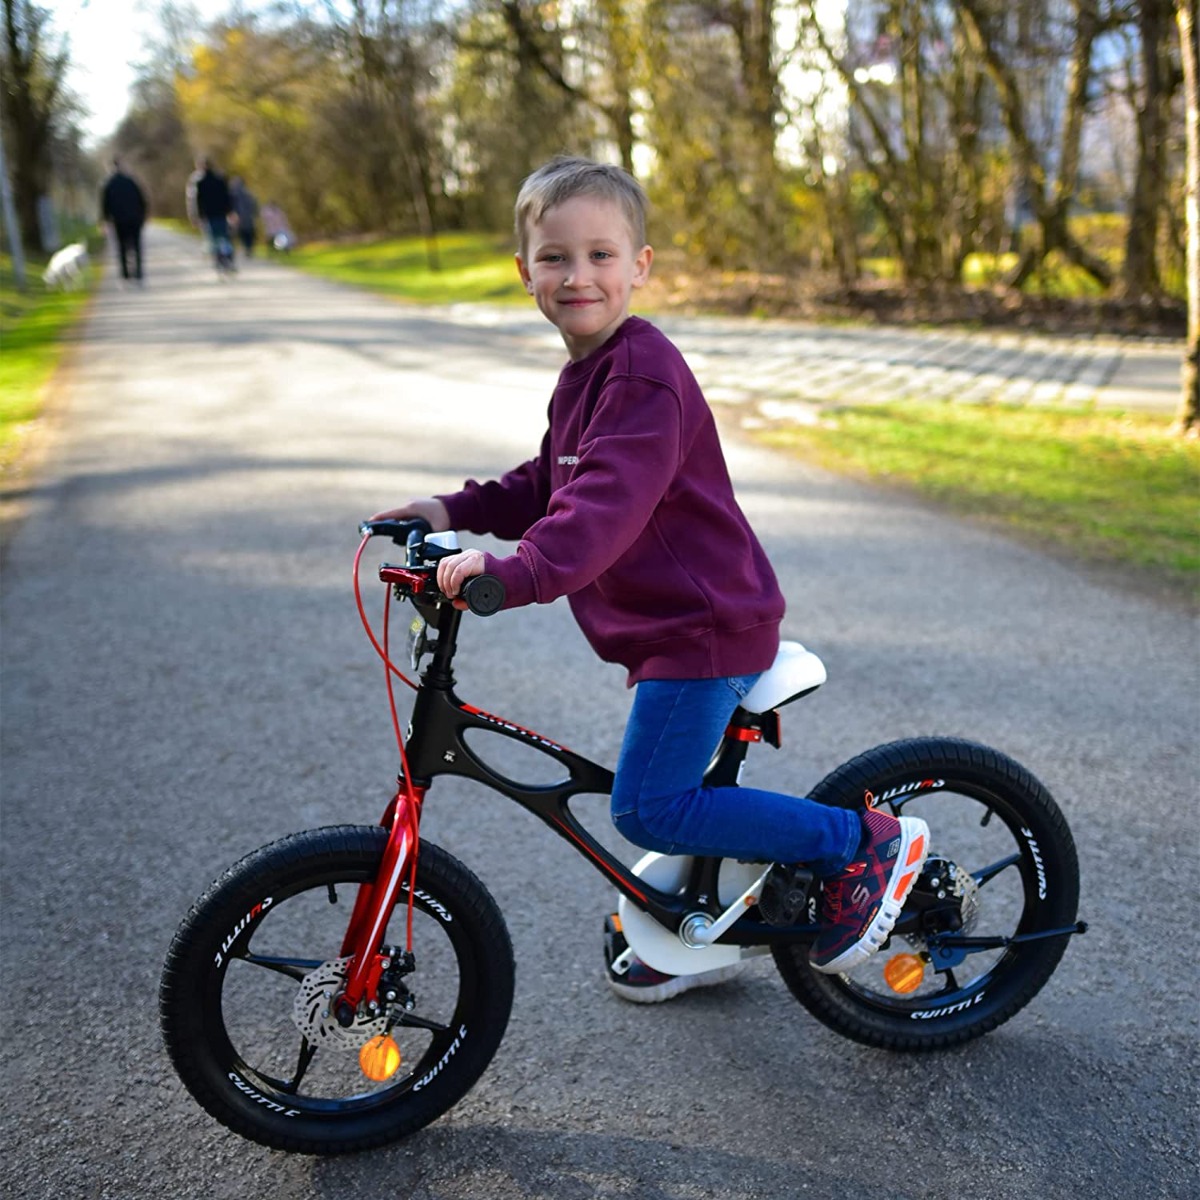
245,213
629,512
123,206
209,206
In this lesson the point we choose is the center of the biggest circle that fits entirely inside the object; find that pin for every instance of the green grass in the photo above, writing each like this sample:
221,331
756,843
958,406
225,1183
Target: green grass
1113,488
34,325
476,268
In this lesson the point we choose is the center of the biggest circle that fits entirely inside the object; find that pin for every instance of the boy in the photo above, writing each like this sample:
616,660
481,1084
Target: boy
629,512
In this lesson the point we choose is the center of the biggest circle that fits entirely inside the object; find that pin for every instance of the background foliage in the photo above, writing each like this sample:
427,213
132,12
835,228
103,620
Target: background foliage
799,134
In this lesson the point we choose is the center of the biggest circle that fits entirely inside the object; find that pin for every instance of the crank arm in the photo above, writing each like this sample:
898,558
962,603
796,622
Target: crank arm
695,933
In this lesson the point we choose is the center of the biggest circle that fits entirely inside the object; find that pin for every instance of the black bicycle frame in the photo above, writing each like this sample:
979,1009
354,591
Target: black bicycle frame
437,745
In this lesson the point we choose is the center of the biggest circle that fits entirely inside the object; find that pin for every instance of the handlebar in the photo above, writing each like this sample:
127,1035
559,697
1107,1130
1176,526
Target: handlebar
399,531
483,594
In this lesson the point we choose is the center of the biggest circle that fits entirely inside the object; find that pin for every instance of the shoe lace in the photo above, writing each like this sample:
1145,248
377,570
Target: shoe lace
831,896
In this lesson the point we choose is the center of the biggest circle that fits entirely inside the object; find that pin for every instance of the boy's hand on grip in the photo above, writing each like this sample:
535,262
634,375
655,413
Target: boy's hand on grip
453,573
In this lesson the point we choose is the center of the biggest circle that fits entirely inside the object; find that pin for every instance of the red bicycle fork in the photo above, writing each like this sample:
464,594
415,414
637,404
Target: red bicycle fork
374,903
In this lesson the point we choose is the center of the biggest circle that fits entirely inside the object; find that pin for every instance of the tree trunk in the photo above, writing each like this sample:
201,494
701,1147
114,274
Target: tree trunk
1140,276
34,82
753,25
1188,421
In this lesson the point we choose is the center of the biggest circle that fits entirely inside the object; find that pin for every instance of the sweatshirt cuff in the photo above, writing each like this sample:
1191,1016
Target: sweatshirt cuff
516,576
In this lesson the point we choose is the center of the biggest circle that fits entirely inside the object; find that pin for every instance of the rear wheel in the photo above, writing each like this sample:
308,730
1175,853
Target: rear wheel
245,995
965,955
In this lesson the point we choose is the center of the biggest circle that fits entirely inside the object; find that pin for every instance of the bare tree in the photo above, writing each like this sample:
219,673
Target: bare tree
1050,191
1156,82
1188,421
35,106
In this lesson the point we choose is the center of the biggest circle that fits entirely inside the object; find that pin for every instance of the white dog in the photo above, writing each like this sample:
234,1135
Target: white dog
65,269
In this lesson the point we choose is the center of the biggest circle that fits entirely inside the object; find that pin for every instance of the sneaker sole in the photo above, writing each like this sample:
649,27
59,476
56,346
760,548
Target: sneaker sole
914,847
675,986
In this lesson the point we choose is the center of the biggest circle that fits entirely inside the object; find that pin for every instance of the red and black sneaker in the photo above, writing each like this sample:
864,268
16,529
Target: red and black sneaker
860,904
635,981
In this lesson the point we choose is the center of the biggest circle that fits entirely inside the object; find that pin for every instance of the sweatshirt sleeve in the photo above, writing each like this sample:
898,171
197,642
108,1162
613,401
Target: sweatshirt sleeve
507,506
628,457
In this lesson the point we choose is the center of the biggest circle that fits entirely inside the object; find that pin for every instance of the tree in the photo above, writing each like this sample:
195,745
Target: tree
1189,32
512,103
37,109
389,51
1051,184
1157,80
152,139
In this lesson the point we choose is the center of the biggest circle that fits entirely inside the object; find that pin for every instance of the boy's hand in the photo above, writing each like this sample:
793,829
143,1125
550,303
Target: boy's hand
453,573
431,510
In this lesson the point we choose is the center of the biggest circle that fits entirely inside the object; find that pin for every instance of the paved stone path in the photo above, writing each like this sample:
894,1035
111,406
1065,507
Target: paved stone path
789,369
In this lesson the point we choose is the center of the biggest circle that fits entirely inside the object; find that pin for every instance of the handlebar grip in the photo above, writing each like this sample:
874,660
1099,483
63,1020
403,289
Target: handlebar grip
484,595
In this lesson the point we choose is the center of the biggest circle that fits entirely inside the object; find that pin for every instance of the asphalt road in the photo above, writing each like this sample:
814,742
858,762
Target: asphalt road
185,678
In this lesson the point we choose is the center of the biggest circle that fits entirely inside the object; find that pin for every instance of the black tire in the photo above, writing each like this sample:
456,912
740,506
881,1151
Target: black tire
233,975
983,810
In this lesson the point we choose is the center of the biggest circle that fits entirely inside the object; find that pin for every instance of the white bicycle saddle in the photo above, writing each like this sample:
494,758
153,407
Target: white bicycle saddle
794,672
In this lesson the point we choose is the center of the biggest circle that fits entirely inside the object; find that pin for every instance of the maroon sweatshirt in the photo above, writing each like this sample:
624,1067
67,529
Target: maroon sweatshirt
629,512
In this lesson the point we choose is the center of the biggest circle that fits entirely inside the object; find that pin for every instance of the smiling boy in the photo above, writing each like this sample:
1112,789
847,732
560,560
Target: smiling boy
628,511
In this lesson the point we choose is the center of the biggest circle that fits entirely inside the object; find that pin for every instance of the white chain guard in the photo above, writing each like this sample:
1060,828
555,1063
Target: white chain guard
660,948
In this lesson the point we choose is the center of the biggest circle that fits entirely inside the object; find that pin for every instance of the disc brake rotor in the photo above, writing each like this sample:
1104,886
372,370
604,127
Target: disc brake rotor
312,1010
948,881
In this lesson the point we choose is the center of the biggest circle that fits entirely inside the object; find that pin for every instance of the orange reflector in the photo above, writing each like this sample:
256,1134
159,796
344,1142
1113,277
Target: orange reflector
904,972
379,1058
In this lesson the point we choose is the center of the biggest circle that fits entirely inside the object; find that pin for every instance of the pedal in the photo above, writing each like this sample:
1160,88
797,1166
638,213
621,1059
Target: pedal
618,957
784,895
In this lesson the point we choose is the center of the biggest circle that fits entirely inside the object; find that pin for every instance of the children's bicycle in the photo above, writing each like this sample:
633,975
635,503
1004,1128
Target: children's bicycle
343,987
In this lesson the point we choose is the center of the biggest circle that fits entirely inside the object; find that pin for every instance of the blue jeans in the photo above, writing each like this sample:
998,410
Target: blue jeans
658,800
218,236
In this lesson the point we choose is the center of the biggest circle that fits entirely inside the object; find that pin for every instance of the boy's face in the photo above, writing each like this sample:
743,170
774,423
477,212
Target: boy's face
582,267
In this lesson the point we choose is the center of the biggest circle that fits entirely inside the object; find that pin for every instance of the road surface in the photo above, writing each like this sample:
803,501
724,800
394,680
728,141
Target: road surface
185,678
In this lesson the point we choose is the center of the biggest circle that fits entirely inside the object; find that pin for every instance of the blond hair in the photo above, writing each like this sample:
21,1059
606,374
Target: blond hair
565,177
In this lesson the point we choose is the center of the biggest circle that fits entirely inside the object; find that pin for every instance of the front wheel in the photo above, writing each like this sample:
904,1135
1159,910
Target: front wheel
986,922
245,995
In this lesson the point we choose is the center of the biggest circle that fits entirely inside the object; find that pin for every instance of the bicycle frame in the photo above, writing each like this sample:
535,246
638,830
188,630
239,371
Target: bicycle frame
437,745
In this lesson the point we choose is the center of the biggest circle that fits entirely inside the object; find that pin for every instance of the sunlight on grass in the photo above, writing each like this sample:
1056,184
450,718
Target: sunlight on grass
1108,486
471,268
34,331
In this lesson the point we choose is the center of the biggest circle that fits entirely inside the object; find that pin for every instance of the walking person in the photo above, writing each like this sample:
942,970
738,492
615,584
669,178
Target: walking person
245,214
123,207
209,206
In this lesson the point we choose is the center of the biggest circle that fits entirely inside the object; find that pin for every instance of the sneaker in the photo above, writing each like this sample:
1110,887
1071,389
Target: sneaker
860,904
638,983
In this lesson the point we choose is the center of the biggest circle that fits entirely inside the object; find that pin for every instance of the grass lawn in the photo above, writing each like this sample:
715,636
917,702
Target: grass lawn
474,268
33,329
1108,487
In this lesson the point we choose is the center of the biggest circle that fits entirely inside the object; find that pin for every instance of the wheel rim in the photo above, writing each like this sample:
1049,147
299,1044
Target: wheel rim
980,833
251,997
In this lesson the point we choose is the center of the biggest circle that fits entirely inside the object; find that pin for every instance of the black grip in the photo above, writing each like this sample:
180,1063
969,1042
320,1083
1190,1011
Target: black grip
399,530
484,595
